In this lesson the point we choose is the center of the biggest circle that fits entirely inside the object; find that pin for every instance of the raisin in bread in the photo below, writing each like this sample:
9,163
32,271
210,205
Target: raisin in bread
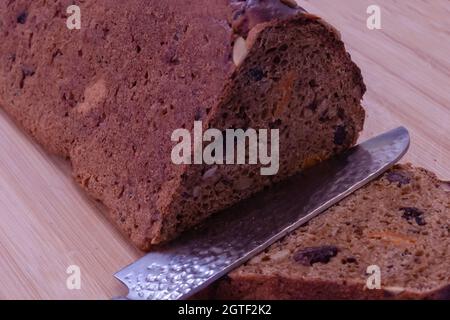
400,223
109,96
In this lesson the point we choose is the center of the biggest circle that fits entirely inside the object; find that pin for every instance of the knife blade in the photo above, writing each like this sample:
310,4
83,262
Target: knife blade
189,264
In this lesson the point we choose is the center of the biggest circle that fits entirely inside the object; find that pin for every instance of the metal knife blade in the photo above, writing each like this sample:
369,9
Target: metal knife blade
228,239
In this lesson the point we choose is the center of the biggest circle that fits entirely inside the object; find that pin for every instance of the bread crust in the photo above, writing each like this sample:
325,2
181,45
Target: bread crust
108,97
262,279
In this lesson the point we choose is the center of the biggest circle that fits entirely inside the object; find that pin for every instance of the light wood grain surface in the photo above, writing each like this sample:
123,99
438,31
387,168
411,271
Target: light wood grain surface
47,223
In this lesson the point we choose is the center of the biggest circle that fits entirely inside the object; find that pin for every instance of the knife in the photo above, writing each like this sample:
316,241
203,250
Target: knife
191,263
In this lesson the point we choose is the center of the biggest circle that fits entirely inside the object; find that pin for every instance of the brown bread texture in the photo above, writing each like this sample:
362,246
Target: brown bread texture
400,222
108,97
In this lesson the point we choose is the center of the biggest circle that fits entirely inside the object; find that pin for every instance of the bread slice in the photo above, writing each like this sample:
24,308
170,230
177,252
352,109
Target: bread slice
400,223
109,96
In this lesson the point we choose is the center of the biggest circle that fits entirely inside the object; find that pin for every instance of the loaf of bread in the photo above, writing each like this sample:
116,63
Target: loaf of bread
399,224
109,96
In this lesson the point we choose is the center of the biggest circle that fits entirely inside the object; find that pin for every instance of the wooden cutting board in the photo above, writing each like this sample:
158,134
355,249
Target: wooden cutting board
48,224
